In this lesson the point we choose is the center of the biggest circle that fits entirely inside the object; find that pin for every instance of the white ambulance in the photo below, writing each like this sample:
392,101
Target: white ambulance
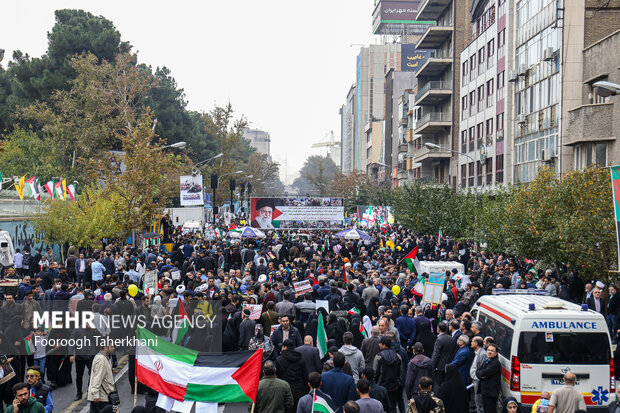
540,338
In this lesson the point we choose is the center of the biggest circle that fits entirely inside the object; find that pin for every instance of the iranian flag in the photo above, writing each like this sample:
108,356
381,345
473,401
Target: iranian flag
322,403
321,337
186,375
49,187
29,344
182,326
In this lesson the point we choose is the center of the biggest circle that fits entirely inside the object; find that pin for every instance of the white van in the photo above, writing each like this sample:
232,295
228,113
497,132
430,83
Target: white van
540,338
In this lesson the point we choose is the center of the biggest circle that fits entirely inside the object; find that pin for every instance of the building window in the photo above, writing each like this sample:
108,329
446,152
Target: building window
464,175
499,169
480,57
489,171
500,121
489,126
590,154
490,91
491,48
500,80
464,141
501,38
472,132
465,70
471,174
479,173
480,98
464,99
472,102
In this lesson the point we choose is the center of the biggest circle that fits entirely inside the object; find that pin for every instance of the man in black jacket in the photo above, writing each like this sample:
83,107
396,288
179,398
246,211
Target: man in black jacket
388,366
291,367
376,391
490,380
443,352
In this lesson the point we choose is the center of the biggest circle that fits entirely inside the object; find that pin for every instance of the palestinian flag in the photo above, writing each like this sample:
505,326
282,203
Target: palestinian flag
411,259
321,337
322,403
234,229
29,344
49,187
182,326
186,375
58,190
31,188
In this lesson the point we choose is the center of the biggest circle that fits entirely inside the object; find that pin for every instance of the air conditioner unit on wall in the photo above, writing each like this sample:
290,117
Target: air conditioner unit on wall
523,70
547,154
521,118
513,76
548,54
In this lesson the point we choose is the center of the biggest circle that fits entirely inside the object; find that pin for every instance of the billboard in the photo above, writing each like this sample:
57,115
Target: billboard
296,213
191,192
369,216
397,17
411,59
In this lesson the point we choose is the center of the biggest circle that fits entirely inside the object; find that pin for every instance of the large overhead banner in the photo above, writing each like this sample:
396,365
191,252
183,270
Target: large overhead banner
296,212
191,190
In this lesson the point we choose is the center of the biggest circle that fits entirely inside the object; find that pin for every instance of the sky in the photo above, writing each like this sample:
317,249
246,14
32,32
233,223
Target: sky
286,65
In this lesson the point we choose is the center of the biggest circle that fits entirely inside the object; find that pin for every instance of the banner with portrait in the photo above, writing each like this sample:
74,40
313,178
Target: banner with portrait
191,190
296,213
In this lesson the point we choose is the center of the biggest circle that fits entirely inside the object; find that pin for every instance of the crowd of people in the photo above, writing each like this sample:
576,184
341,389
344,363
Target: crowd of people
387,350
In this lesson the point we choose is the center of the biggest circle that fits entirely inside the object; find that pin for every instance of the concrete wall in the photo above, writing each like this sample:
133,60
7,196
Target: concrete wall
21,231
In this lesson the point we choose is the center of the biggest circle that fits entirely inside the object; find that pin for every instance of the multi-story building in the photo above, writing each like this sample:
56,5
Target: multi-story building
437,115
396,84
485,146
347,132
593,122
260,140
373,62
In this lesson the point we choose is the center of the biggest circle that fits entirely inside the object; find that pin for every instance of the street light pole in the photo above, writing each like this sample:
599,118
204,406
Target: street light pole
431,145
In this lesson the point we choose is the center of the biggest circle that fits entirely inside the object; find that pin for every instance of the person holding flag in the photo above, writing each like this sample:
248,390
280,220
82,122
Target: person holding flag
316,400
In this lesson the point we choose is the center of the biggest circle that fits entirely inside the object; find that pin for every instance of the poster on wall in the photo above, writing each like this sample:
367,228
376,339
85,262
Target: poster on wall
297,213
191,190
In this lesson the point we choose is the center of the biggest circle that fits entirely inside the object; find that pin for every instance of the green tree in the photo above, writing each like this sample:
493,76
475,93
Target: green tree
84,222
316,175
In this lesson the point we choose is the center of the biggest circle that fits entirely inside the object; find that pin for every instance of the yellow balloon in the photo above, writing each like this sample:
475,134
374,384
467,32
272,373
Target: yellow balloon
396,290
132,290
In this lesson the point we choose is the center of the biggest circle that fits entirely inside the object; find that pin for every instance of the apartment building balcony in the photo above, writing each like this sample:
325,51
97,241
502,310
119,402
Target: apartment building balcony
433,93
434,36
590,123
432,9
428,154
434,122
436,63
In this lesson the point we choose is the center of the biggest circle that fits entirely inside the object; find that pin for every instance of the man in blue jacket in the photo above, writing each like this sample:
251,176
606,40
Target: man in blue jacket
406,327
463,358
338,384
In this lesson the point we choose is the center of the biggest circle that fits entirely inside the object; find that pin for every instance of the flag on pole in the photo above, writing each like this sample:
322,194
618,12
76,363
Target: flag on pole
64,189
19,187
184,374
411,259
322,403
58,190
31,188
29,344
440,236
49,187
1,180
182,326
71,192
321,337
